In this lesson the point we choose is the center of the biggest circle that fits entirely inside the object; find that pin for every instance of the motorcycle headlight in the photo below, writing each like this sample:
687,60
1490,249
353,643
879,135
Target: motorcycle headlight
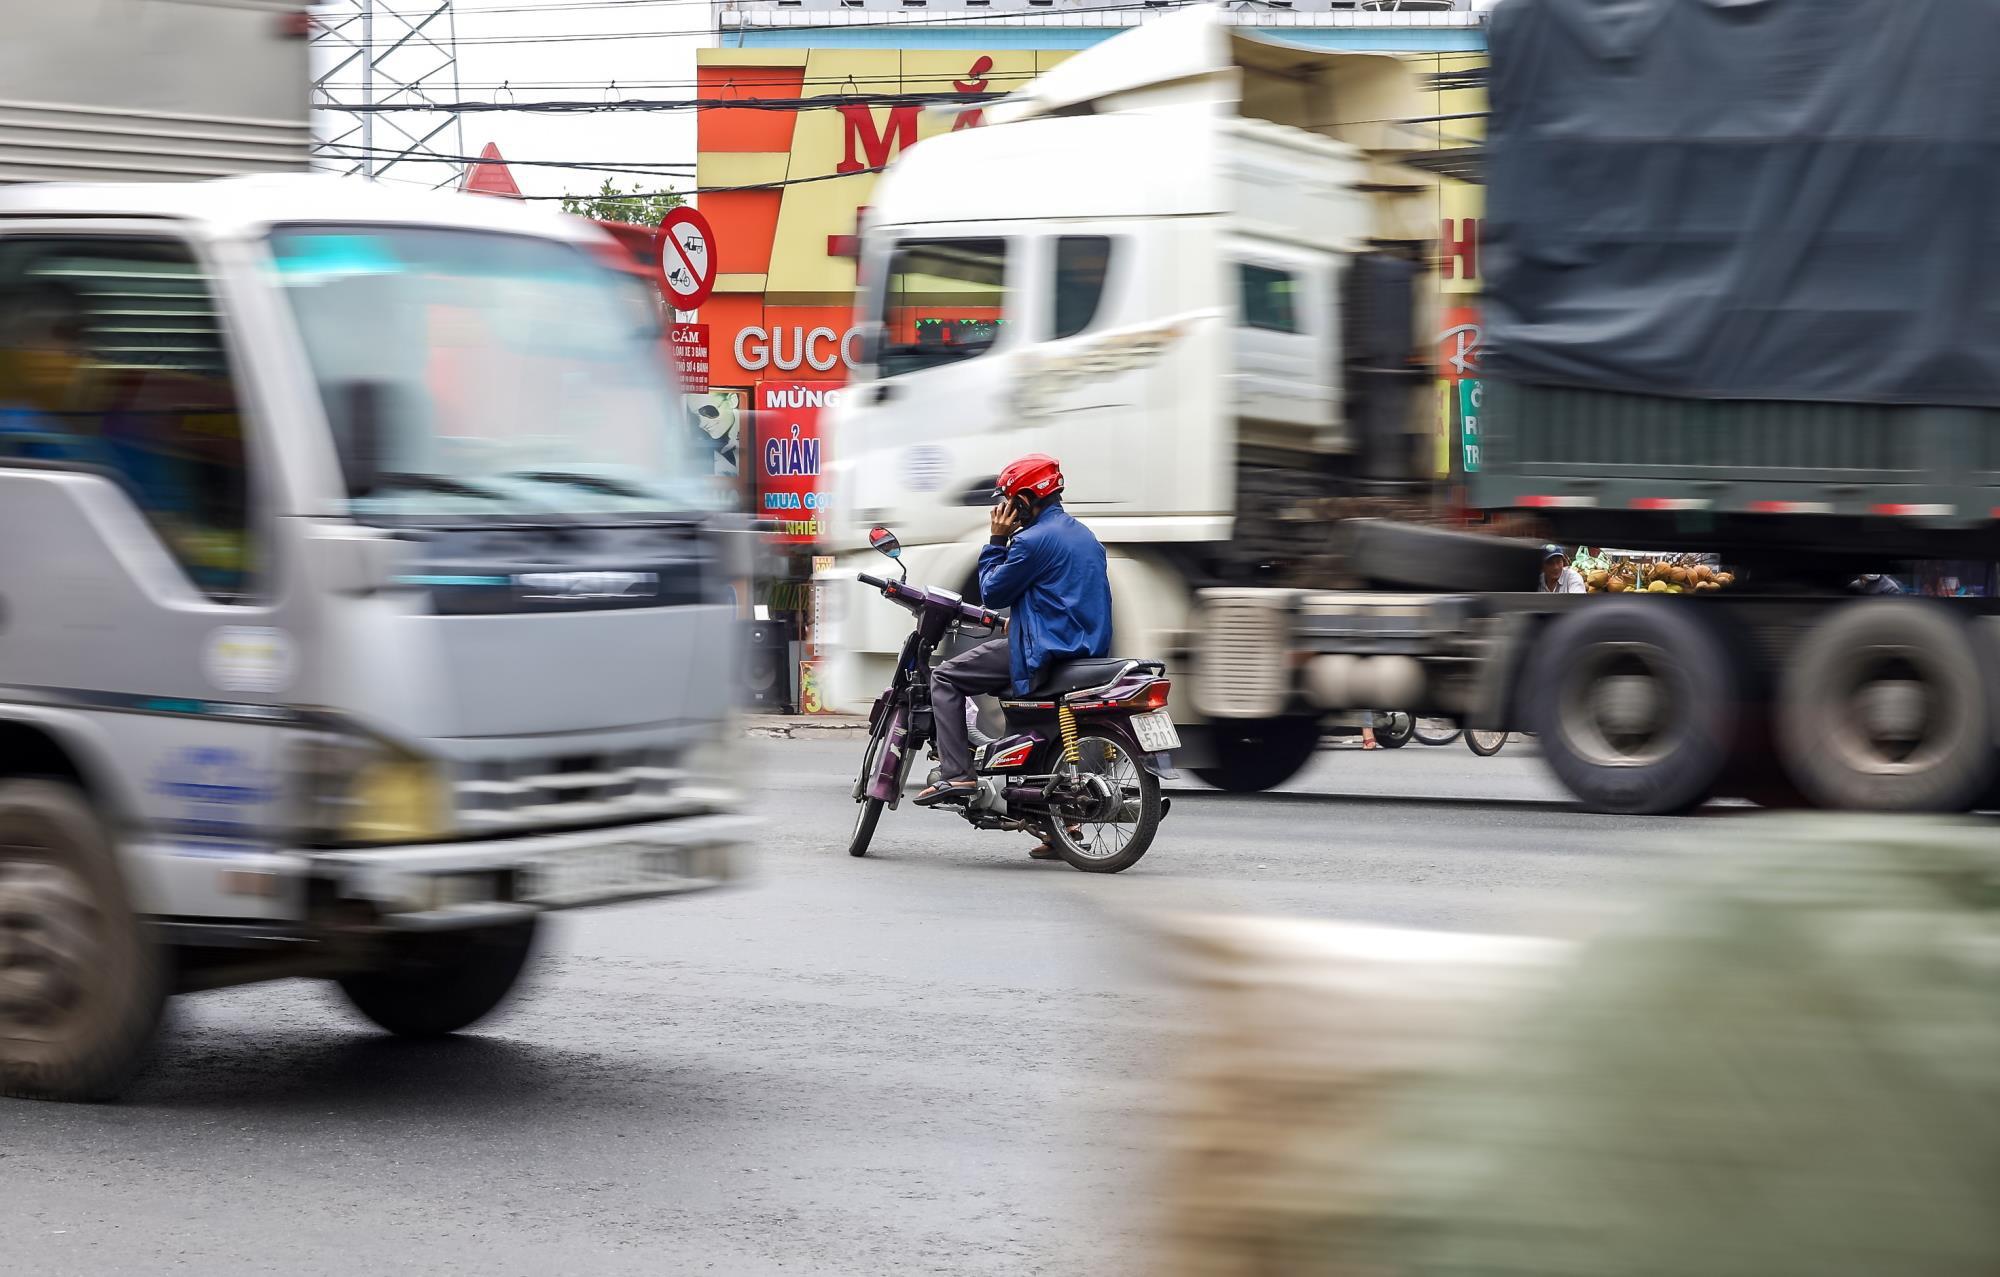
354,789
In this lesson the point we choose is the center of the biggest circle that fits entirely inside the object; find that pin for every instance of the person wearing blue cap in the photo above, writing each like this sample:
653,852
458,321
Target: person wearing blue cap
1557,576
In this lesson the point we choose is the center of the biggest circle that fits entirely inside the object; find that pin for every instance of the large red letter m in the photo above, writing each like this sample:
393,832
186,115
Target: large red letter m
878,146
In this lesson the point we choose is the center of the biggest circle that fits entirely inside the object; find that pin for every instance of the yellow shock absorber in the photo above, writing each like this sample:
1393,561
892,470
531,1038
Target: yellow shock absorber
1066,720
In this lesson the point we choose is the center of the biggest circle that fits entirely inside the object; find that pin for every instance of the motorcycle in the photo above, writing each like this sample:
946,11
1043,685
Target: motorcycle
1080,762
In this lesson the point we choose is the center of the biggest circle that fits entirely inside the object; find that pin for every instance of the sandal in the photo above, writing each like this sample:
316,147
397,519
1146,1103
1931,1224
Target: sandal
946,790
1368,744
1046,850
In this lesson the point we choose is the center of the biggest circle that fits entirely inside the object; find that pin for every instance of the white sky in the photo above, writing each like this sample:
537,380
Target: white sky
544,55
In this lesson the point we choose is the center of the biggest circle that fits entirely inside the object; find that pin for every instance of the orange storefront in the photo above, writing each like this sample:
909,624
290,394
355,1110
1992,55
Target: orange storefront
781,324
783,304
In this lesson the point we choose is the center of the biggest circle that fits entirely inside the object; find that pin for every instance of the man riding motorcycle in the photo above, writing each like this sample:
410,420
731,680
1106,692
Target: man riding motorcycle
1051,570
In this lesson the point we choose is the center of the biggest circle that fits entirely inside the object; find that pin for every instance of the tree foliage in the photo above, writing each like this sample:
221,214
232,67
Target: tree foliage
609,204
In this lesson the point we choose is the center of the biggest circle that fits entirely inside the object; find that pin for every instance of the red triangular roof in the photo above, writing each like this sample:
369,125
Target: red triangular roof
489,175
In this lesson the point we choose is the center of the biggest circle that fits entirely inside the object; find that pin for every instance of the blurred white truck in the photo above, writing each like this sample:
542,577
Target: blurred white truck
360,600
1208,275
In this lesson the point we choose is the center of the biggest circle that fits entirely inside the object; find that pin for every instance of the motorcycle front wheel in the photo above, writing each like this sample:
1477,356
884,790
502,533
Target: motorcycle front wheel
1484,744
1115,842
868,811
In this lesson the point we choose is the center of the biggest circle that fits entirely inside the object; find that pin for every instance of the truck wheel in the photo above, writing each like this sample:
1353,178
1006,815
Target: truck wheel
1638,705
1254,756
81,987
439,984
1884,709
1403,554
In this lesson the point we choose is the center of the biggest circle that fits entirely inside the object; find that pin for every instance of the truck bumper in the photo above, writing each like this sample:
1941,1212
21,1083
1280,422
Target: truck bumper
450,886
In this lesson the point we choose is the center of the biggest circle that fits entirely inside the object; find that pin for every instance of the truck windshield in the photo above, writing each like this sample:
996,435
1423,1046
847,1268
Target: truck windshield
946,300
506,376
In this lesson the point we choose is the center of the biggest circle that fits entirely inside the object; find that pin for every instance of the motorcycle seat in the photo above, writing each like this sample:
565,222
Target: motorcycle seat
1075,676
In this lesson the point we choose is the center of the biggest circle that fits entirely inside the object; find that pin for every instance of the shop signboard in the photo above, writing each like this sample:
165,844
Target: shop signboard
810,699
690,343
789,462
1469,396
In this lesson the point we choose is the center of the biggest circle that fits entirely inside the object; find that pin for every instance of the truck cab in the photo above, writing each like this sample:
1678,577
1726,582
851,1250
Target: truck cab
1160,263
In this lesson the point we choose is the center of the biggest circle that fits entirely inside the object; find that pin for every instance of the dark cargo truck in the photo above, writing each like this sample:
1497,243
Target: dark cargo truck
1740,299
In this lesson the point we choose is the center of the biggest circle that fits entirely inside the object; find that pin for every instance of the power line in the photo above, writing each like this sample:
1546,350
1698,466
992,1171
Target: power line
952,19
660,168
585,6
641,169
587,107
749,79
601,6
752,77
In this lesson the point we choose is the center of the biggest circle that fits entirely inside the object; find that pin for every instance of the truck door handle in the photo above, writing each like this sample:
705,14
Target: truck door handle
884,392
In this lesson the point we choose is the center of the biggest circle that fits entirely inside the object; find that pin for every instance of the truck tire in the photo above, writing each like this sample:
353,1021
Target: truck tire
81,986
439,984
1415,557
1638,705
1255,756
1884,708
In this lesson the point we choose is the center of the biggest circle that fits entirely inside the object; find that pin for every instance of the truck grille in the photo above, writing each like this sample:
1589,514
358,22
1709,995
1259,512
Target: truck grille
576,789
1241,669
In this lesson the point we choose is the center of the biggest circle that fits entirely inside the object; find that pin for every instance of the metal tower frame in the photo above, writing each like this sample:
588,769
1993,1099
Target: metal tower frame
404,56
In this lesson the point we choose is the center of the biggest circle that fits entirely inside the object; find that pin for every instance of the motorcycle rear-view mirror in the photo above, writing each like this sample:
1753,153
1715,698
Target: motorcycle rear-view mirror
885,542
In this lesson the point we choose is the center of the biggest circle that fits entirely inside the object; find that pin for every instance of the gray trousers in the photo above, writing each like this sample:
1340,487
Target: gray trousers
986,668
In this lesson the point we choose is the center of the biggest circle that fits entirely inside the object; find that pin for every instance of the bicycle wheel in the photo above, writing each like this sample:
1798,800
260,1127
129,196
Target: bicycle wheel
1485,744
1435,731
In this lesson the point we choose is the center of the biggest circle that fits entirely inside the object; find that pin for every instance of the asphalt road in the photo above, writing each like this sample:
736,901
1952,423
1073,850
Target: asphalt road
944,1058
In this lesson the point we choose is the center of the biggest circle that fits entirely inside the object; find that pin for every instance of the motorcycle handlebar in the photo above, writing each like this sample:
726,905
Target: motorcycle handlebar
966,611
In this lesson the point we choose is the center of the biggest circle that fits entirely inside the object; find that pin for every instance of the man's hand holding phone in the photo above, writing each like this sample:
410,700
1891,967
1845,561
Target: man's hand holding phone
1006,519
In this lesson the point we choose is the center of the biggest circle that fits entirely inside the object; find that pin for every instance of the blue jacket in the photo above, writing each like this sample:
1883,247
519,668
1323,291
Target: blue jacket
1052,574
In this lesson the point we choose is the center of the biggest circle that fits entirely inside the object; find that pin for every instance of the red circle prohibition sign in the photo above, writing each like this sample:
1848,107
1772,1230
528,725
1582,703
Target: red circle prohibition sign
684,257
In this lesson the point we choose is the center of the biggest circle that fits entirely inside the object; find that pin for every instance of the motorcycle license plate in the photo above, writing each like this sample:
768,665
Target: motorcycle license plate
1156,732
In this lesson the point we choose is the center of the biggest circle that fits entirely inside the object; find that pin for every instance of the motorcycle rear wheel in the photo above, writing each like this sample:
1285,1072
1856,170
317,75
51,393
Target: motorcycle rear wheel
1394,729
1111,846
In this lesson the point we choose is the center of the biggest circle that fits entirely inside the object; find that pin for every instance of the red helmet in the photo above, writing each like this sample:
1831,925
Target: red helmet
1036,475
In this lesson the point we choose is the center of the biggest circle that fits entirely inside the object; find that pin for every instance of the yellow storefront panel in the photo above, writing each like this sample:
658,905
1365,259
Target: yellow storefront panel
739,168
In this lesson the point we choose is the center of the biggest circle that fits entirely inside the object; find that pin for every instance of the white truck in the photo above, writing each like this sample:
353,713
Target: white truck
360,598
1183,264
1209,277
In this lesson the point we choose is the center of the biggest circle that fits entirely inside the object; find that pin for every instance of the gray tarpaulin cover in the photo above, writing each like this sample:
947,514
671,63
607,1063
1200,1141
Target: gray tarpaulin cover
1747,199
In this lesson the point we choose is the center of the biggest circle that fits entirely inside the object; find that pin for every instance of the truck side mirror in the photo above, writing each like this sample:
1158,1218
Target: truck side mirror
360,443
